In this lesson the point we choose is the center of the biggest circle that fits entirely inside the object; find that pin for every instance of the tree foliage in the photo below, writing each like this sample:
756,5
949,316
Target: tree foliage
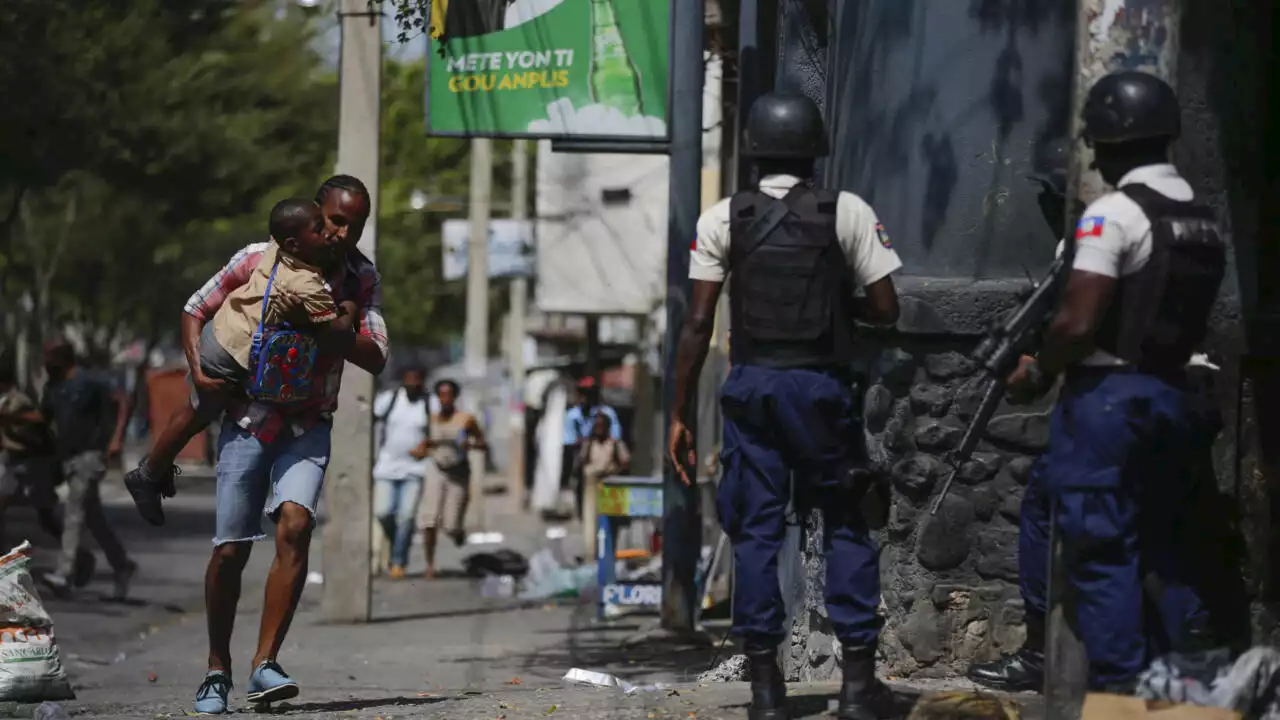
140,143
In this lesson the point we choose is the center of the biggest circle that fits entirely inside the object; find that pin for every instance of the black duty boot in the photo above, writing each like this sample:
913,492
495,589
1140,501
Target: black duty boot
768,690
862,695
1020,672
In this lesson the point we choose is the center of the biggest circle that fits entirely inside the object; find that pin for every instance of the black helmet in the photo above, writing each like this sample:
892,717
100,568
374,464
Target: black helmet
784,126
1131,105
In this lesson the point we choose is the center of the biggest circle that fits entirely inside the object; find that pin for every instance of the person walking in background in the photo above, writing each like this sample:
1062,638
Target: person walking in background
87,416
448,473
30,467
578,422
403,414
602,456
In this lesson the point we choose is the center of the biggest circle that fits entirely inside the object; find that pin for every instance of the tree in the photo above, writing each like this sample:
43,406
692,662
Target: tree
142,140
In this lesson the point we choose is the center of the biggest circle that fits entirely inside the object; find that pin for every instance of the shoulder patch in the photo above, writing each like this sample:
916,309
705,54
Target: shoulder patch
1090,227
693,246
883,235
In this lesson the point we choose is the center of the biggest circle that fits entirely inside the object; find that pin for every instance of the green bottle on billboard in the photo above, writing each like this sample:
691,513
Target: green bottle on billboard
615,83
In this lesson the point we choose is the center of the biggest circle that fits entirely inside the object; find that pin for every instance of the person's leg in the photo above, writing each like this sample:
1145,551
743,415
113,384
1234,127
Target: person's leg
751,502
298,479
384,500
590,520
285,580
410,492
457,493
816,413
79,471
1105,424
153,478
96,521
430,513
222,584
185,423
1024,669
1177,618
242,484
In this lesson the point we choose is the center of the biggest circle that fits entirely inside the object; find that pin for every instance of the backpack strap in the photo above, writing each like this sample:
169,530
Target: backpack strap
266,296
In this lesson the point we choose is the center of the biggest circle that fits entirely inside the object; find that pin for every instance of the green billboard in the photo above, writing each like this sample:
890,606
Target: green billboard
592,69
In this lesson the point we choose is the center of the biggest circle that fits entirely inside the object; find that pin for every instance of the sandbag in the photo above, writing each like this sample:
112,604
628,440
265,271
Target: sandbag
31,668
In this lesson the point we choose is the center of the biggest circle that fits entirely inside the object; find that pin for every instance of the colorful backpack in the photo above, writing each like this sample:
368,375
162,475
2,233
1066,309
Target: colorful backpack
281,359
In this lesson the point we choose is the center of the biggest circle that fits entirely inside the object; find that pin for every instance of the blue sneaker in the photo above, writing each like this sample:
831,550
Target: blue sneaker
211,698
269,684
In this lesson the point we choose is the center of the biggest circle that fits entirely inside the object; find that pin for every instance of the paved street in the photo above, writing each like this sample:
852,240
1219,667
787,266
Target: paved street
435,649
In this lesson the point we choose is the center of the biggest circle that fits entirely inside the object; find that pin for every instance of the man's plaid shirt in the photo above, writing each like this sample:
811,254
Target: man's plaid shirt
358,280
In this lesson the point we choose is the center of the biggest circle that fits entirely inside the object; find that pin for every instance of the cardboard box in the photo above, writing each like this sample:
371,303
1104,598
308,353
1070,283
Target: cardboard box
1100,706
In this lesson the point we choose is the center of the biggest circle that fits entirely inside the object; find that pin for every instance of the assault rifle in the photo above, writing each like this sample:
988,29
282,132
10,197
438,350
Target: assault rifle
998,355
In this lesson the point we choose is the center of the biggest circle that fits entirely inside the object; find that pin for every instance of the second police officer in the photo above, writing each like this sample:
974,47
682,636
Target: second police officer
1148,263
796,255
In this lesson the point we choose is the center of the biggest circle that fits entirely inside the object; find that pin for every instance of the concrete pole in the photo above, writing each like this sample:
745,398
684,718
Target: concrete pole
1111,35
476,351
349,485
519,297
681,523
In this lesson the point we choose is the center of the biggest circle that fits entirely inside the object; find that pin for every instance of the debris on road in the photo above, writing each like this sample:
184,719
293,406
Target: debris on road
1249,684
733,669
497,562
599,679
31,668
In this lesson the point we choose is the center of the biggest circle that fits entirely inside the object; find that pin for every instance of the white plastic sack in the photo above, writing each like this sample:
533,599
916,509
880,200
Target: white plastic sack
30,667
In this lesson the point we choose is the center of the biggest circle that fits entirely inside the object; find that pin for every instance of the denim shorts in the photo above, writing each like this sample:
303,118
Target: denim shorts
254,477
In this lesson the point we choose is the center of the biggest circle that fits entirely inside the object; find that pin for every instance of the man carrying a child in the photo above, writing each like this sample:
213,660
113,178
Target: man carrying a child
271,454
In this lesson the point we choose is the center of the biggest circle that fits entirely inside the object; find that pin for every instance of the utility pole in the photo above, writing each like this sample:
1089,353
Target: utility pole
476,350
349,487
519,295
1137,35
681,522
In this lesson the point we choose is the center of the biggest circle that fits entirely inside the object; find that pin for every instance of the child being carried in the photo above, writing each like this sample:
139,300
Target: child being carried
286,287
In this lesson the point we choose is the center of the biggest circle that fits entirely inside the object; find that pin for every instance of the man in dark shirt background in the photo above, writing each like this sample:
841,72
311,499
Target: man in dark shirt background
87,416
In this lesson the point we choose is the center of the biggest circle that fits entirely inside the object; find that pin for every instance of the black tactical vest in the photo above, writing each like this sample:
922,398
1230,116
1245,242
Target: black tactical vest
791,297
1160,315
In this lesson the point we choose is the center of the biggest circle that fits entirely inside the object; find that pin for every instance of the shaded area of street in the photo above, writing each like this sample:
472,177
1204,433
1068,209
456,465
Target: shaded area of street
434,649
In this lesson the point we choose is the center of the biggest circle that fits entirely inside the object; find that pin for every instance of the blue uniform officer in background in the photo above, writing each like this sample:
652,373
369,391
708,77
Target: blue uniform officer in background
1148,263
796,255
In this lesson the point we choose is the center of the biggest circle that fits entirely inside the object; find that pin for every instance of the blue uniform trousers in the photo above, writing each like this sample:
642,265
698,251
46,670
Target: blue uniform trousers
780,422
1116,473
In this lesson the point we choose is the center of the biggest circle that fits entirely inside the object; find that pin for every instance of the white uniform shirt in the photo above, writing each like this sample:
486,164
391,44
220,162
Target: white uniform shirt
864,240
1114,235
402,430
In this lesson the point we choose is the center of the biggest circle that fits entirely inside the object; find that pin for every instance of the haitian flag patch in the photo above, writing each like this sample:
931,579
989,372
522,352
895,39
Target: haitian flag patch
1090,227
693,246
883,235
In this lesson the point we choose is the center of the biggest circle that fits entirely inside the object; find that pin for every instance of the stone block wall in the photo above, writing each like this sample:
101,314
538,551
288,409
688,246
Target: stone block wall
949,582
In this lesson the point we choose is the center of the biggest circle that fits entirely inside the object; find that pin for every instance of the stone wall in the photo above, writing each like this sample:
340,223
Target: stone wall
949,582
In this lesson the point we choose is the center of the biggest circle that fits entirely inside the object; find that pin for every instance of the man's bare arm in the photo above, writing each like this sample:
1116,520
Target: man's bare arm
695,340
691,352
190,328
880,306
1070,337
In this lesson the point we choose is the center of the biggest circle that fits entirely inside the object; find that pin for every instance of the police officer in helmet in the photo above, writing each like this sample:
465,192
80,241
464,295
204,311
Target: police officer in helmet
796,255
1148,263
